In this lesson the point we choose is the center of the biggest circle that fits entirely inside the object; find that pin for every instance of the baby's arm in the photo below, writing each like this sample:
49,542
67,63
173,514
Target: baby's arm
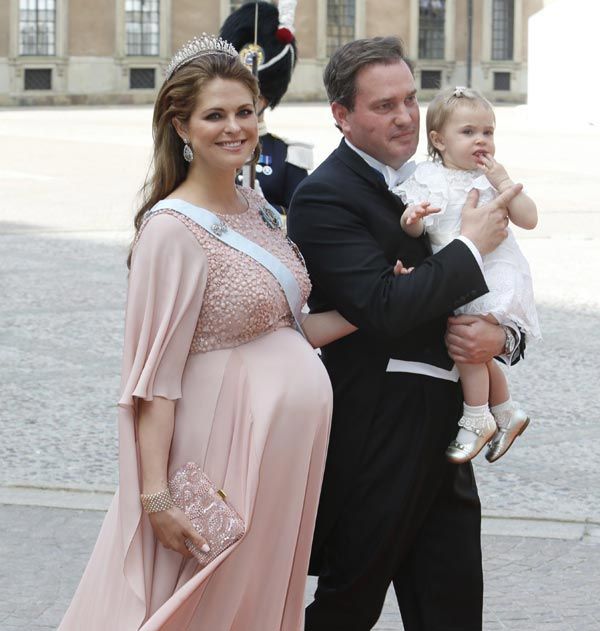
522,209
412,218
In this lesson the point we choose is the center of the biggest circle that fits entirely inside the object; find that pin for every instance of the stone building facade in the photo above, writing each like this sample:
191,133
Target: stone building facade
115,51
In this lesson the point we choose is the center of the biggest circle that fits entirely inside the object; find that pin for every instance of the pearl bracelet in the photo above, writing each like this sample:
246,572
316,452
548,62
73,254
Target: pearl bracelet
157,502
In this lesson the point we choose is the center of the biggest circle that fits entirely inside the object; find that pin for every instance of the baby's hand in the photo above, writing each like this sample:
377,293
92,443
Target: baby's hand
416,212
400,270
495,173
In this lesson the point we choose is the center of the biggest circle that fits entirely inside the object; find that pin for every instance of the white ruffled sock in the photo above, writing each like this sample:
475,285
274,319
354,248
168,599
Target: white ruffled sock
502,412
475,412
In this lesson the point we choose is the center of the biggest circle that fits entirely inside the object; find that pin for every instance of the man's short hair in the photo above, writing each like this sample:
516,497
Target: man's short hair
344,65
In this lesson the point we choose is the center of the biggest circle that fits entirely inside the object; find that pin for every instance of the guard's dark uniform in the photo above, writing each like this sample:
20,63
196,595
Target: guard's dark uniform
280,169
269,47
282,165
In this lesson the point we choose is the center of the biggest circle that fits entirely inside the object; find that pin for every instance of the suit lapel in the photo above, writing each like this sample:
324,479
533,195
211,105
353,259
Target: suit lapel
353,161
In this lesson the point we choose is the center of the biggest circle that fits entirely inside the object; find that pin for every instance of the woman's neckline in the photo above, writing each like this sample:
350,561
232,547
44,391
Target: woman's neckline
214,212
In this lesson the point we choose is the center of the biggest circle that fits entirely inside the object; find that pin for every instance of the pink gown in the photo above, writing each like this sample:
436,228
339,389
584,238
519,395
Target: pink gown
208,327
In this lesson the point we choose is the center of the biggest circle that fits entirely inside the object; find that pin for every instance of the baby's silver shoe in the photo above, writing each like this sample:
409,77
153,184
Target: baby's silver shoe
511,424
484,427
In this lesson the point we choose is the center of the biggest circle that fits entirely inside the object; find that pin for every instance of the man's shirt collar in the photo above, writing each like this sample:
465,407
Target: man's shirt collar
392,176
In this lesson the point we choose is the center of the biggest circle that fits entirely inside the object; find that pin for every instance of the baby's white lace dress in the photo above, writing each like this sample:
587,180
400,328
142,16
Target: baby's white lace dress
507,273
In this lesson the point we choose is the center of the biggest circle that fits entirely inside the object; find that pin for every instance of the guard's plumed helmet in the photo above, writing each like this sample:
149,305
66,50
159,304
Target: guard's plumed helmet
277,55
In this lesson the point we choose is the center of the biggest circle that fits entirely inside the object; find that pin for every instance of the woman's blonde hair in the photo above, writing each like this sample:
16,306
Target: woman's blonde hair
444,105
177,99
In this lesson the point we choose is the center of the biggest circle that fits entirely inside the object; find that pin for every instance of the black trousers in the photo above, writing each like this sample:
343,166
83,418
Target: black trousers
412,520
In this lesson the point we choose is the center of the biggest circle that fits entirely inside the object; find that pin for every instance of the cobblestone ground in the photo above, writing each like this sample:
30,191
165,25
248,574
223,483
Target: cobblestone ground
61,343
68,178
531,583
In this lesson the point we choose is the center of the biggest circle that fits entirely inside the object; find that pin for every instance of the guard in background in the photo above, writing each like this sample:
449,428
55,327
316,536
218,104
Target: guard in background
260,28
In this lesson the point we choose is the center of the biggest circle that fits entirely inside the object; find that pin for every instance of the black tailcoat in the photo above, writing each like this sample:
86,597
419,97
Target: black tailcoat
347,224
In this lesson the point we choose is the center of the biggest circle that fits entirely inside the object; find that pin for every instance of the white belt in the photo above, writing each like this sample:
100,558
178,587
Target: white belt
399,365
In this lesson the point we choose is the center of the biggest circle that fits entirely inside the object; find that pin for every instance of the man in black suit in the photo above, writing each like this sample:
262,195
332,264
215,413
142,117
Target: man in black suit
392,509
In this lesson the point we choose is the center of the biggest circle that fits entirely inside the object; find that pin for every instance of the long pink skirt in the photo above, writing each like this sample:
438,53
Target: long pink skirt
256,418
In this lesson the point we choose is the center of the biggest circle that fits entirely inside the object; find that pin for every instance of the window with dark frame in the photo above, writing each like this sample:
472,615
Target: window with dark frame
38,79
341,21
432,18
37,27
501,81
142,78
503,21
431,79
142,27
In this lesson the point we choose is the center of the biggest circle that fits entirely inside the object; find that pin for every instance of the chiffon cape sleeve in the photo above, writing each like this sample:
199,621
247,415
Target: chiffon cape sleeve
166,287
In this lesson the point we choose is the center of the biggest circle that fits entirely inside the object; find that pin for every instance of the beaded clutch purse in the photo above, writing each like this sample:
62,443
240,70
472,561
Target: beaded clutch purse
208,510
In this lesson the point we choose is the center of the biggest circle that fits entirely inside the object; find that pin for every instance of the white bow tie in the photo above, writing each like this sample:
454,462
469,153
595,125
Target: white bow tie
393,177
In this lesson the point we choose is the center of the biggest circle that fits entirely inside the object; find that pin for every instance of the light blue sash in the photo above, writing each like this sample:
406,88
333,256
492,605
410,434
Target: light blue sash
219,229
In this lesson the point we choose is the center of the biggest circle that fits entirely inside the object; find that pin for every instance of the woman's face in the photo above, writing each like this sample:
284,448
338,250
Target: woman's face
223,128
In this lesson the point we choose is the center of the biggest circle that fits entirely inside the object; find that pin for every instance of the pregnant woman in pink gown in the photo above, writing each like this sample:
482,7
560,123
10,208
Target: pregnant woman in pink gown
214,372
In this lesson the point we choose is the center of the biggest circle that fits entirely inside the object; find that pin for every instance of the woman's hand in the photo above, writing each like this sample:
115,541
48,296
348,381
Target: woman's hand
400,270
171,527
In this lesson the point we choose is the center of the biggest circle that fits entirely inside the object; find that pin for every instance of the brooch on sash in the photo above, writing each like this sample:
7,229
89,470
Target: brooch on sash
219,228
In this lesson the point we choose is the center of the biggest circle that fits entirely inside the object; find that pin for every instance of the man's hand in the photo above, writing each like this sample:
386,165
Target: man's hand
486,226
473,340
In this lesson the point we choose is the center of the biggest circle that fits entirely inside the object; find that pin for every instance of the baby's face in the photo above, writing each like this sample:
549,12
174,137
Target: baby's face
467,135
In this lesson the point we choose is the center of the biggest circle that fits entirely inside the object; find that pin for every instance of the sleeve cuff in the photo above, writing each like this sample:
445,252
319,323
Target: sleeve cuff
516,355
473,249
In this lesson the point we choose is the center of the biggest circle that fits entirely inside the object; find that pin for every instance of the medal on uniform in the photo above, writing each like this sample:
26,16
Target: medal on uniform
265,164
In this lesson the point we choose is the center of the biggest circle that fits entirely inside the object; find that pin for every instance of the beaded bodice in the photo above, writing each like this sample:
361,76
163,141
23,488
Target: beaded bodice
242,300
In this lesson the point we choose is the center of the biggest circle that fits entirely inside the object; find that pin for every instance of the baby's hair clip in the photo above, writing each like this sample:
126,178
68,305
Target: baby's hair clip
459,91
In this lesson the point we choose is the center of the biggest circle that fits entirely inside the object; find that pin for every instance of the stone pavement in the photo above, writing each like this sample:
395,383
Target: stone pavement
68,179
531,582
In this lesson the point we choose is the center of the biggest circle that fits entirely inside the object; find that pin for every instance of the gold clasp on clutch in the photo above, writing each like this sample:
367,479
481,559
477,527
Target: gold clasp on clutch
222,493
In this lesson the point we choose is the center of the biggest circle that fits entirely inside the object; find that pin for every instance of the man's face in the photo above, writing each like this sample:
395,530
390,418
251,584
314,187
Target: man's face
385,119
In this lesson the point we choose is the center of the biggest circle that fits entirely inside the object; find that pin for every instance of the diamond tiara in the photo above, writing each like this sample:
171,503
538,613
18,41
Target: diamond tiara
196,47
